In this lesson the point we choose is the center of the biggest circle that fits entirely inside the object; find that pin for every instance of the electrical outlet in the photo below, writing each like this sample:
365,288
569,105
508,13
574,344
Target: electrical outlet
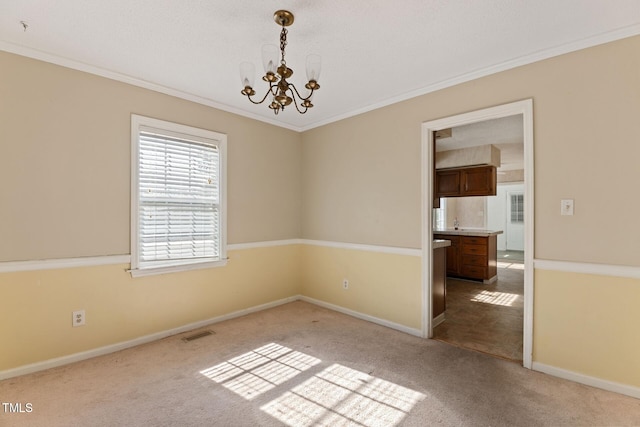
78,318
345,284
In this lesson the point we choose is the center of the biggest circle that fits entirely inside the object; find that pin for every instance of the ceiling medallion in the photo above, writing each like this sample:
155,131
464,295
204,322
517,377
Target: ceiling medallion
280,92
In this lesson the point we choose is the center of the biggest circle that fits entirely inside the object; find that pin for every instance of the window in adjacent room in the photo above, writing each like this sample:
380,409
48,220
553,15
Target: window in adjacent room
440,216
517,207
178,218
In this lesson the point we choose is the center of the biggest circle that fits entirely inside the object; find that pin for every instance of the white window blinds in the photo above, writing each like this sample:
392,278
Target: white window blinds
179,202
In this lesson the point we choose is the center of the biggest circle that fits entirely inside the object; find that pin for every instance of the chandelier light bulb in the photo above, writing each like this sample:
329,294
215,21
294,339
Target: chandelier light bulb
247,74
270,58
314,65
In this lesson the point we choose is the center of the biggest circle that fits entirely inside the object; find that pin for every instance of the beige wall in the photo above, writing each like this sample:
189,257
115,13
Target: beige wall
65,192
385,286
362,175
588,324
65,163
362,185
36,306
361,181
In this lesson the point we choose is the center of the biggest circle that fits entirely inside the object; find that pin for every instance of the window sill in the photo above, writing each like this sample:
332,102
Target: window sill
151,271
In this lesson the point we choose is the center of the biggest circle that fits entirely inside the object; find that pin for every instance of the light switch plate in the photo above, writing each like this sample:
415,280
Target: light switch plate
566,207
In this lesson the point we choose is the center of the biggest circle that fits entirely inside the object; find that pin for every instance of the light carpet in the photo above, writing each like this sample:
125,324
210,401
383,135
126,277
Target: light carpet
303,365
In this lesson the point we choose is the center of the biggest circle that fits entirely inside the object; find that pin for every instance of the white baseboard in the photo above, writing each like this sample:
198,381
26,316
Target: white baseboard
358,315
65,360
587,380
437,320
76,357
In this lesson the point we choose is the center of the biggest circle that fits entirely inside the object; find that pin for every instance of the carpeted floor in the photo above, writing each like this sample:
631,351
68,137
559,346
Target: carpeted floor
302,365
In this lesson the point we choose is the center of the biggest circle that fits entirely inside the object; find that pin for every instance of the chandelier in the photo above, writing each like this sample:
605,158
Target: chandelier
281,93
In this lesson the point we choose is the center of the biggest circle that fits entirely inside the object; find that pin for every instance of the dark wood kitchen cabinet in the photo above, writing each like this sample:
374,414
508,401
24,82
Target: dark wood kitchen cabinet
478,257
448,183
452,253
471,257
469,181
439,283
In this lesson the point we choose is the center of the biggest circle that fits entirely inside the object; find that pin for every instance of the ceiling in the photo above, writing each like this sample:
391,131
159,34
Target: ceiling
374,52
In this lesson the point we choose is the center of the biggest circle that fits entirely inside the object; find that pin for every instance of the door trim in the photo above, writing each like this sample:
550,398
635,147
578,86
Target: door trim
524,107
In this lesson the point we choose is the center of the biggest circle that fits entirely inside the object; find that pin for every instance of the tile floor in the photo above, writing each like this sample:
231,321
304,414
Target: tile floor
516,256
486,318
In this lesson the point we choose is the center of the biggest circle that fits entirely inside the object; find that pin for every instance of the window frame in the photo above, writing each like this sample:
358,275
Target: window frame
518,212
139,122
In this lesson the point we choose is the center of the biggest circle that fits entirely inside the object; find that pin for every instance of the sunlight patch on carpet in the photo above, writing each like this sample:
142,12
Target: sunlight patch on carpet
253,373
342,396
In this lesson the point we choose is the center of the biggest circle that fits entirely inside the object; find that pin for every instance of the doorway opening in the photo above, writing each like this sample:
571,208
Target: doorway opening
509,300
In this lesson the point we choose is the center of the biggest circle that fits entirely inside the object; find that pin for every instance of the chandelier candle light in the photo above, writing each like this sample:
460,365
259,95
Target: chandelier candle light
282,92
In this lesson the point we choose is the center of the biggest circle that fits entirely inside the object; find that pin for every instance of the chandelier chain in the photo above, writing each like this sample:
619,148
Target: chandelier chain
283,44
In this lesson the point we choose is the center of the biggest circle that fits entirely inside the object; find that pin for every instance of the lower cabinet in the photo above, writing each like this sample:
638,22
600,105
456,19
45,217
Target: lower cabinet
472,257
439,282
453,255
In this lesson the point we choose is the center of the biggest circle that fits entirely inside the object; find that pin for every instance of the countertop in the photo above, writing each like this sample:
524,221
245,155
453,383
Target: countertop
468,232
440,243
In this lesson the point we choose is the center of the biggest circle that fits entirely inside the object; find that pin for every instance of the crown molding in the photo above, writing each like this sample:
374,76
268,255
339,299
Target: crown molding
124,78
599,39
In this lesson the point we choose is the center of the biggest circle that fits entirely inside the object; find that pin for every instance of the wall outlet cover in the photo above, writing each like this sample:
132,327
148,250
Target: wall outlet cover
78,318
566,207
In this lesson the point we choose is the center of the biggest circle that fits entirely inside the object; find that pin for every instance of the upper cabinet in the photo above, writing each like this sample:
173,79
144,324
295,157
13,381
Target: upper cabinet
478,181
462,182
448,183
469,171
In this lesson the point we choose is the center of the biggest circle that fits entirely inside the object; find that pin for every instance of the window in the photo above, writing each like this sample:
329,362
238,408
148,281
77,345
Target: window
517,208
440,216
178,219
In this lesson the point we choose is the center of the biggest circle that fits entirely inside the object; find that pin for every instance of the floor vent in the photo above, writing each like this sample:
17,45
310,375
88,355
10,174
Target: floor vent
197,336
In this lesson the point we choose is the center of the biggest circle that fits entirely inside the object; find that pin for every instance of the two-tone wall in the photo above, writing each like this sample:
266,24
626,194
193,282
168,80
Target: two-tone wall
351,190
65,209
362,185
